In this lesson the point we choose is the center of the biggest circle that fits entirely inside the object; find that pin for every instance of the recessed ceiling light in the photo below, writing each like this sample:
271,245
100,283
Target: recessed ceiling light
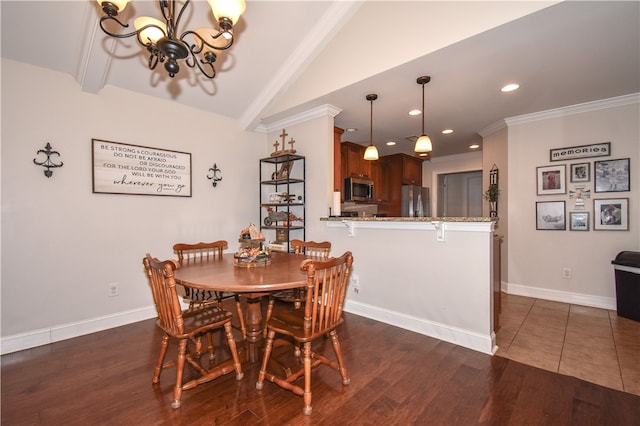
351,129
447,131
391,143
474,146
510,87
415,112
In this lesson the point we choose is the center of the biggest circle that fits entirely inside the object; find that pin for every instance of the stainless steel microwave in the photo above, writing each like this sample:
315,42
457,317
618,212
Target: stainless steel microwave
356,189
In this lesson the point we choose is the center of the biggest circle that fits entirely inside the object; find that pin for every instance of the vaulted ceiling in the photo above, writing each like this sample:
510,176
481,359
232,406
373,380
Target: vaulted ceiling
294,56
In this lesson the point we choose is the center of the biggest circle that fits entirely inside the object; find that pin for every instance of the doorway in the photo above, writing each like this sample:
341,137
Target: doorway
460,194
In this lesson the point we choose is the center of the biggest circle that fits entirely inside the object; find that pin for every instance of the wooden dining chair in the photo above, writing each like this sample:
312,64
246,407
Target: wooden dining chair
207,252
315,250
326,290
186,327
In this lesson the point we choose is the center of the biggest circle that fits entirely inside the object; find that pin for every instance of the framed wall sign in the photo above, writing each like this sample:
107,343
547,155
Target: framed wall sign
580,172
551,180
582,151
120,168
612,175
611,214
550,215
579,221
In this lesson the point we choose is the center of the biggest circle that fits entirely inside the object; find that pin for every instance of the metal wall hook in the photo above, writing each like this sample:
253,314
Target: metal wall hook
215,178
48,163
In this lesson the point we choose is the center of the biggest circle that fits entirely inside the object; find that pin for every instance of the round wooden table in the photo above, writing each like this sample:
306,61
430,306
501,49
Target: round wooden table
254,283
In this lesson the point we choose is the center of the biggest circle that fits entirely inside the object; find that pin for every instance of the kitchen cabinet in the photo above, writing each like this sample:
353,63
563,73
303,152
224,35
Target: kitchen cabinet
282,199
406,167
353,162
402,169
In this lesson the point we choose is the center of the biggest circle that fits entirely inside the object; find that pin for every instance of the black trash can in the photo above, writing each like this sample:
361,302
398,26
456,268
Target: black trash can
627,270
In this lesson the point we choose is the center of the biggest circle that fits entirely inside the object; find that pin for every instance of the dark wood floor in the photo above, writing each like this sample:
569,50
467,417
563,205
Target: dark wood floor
397,378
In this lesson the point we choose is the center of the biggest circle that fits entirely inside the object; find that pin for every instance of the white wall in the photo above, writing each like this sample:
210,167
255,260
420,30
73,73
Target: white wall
62,244
536,258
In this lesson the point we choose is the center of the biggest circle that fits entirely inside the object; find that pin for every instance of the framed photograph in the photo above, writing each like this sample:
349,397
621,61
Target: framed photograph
611,175
285,170
579,221
580,172
611,214
551,180
550,215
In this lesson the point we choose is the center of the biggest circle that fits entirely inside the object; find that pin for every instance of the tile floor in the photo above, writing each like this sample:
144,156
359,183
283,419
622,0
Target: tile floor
592,344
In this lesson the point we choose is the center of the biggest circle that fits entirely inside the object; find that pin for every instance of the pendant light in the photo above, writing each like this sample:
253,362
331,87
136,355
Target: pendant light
371,153
423,143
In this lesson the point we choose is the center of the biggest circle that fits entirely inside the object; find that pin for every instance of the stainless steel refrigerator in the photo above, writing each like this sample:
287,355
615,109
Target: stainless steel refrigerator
415,201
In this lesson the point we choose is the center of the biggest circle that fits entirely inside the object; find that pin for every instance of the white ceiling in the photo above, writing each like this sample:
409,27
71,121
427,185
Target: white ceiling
562,55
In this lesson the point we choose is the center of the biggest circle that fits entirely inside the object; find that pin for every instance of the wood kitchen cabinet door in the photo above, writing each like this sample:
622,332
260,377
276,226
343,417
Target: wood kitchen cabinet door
411,171
353,162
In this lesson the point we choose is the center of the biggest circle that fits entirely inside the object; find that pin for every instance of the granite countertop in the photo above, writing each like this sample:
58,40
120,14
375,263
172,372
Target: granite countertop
408,219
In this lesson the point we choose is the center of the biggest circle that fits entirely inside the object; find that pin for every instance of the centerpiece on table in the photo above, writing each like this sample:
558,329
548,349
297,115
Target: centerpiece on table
252,251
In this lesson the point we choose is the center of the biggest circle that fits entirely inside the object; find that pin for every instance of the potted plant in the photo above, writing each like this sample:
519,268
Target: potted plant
491,195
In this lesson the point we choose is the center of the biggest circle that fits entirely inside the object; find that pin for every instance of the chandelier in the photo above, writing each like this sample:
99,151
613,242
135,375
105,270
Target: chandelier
423,143
371,153
164,43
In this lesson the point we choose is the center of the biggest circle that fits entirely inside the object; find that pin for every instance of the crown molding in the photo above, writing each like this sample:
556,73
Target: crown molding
618,101
326,110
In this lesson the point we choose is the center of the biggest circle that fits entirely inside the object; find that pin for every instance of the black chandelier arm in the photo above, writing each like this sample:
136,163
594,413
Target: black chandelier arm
113,18
197,48
155,56
205,65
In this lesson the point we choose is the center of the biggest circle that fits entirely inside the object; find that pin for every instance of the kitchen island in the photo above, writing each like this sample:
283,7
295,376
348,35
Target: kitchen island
431,275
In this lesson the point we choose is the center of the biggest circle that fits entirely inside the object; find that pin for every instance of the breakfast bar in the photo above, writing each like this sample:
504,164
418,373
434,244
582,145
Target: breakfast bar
432,275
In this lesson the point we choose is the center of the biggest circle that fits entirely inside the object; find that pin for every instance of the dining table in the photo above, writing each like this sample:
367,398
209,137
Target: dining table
254,282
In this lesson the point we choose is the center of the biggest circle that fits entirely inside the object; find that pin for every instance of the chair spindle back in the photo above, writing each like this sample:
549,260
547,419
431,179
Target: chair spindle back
165,295
326,290
312,249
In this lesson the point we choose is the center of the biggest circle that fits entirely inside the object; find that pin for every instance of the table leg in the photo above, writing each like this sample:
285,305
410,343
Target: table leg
254,325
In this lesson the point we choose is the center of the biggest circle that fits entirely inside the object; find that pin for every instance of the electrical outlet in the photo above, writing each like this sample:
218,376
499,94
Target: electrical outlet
355,282
113,289
566,272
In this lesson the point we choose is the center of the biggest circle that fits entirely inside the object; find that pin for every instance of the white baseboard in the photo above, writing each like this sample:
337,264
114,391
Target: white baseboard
561,296
468,339
31,339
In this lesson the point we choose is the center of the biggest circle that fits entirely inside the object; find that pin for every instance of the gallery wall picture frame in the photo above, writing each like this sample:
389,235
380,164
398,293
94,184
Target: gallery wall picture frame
579,221
611,214
551,179
550,216
612,175
580,172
